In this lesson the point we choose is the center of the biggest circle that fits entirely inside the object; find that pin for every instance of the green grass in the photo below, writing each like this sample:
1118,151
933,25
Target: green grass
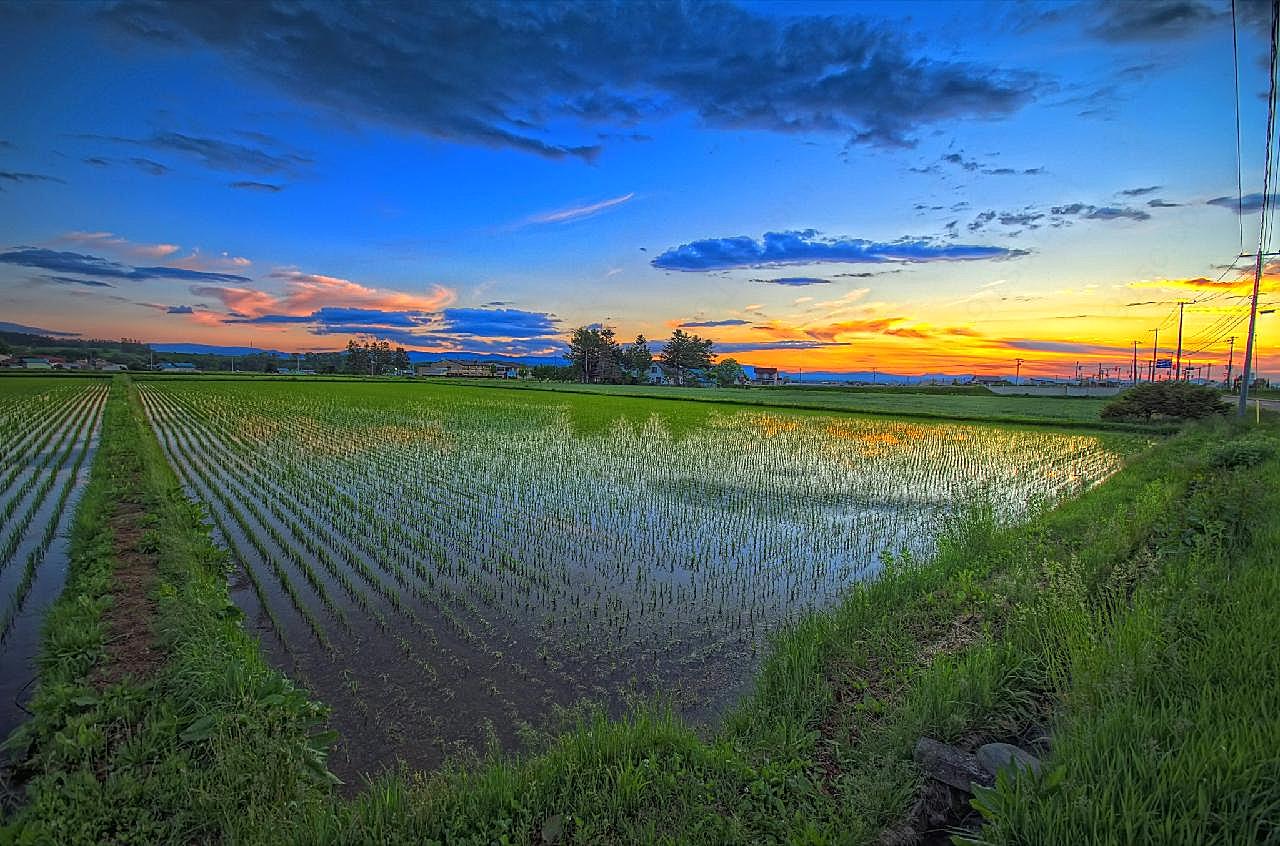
943,403
1135,623
206,746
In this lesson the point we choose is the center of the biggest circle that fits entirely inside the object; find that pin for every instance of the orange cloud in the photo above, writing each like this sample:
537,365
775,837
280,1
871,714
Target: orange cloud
306,293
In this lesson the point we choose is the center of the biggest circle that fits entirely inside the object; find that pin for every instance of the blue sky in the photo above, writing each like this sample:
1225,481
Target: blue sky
928,186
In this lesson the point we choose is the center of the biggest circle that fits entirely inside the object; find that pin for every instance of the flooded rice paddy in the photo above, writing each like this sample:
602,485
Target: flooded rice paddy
445,565
48,432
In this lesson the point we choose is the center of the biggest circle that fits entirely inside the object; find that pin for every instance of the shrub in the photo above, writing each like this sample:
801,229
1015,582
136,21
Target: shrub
1164,400
1248,451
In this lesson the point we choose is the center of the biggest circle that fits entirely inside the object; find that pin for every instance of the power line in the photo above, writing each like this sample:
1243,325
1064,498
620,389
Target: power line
1264,233
1235,62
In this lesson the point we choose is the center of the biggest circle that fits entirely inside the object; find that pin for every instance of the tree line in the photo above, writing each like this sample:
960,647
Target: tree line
596,356
374,358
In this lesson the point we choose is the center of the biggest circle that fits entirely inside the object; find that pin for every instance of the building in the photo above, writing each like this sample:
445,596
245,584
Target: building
767,376
469,369
177,367
36,363
657,374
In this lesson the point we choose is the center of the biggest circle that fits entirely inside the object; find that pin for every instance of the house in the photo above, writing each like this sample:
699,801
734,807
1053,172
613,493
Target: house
469,369
767,376
511,371
657,374
110,366
989,380
177,367
36,363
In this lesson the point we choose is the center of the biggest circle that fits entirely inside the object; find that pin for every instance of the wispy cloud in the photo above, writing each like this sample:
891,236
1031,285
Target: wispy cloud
797,281
249,185
19,176
708,324
579,212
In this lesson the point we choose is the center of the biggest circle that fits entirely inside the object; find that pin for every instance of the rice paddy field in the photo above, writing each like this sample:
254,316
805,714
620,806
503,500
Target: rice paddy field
48,433
445,565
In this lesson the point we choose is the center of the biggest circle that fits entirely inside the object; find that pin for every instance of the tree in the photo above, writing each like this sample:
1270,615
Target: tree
636,357
357,358
402,359
728,373
1174,400
594,354
685,352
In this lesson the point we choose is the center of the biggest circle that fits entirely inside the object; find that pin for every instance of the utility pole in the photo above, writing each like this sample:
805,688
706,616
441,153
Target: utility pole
1231,355
1155,354
1253,319
1178,365
1133,375
1017,373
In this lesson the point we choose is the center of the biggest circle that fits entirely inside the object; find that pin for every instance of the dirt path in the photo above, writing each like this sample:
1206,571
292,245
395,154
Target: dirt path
130,647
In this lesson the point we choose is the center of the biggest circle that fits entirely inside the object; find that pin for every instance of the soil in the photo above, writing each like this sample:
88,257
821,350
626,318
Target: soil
130,647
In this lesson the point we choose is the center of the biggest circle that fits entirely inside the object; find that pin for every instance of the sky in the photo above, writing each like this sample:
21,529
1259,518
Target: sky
930,187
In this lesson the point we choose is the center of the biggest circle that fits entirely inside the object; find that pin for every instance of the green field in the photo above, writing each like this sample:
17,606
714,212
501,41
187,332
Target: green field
961,404
1130,621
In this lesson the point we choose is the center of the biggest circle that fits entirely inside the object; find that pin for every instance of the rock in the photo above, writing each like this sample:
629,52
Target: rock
994,757
553,829
950,765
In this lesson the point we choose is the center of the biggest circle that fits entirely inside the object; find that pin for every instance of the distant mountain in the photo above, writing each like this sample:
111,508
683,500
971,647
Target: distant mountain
213,349
5,326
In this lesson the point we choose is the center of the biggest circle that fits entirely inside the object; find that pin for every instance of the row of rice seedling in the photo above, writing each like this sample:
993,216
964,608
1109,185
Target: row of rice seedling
528,563
49,430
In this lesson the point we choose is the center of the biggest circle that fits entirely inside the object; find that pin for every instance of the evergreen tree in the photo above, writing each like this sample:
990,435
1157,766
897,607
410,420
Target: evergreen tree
637,357
685,352
594,354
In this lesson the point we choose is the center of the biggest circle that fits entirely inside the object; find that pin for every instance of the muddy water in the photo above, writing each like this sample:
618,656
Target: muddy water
441,576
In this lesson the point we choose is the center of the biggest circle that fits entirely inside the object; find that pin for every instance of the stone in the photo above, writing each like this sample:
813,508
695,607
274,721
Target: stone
950,765
994,757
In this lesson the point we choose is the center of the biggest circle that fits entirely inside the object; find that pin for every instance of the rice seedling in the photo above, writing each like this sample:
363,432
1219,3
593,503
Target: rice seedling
48,431
495,558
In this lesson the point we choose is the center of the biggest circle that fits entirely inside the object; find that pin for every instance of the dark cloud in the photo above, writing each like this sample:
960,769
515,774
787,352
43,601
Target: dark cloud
710,324
1140,192
147,165
1149,20
266,187
799,281
499,322
86,265
1158,203
1249,203
500,75
810,247
960,161
70,280
1091,212
179,309
18,176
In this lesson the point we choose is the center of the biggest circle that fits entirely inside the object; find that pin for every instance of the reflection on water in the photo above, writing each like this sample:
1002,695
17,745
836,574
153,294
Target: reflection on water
438,570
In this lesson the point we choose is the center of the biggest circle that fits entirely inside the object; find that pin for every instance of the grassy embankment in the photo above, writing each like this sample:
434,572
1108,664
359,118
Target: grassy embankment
1134,623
